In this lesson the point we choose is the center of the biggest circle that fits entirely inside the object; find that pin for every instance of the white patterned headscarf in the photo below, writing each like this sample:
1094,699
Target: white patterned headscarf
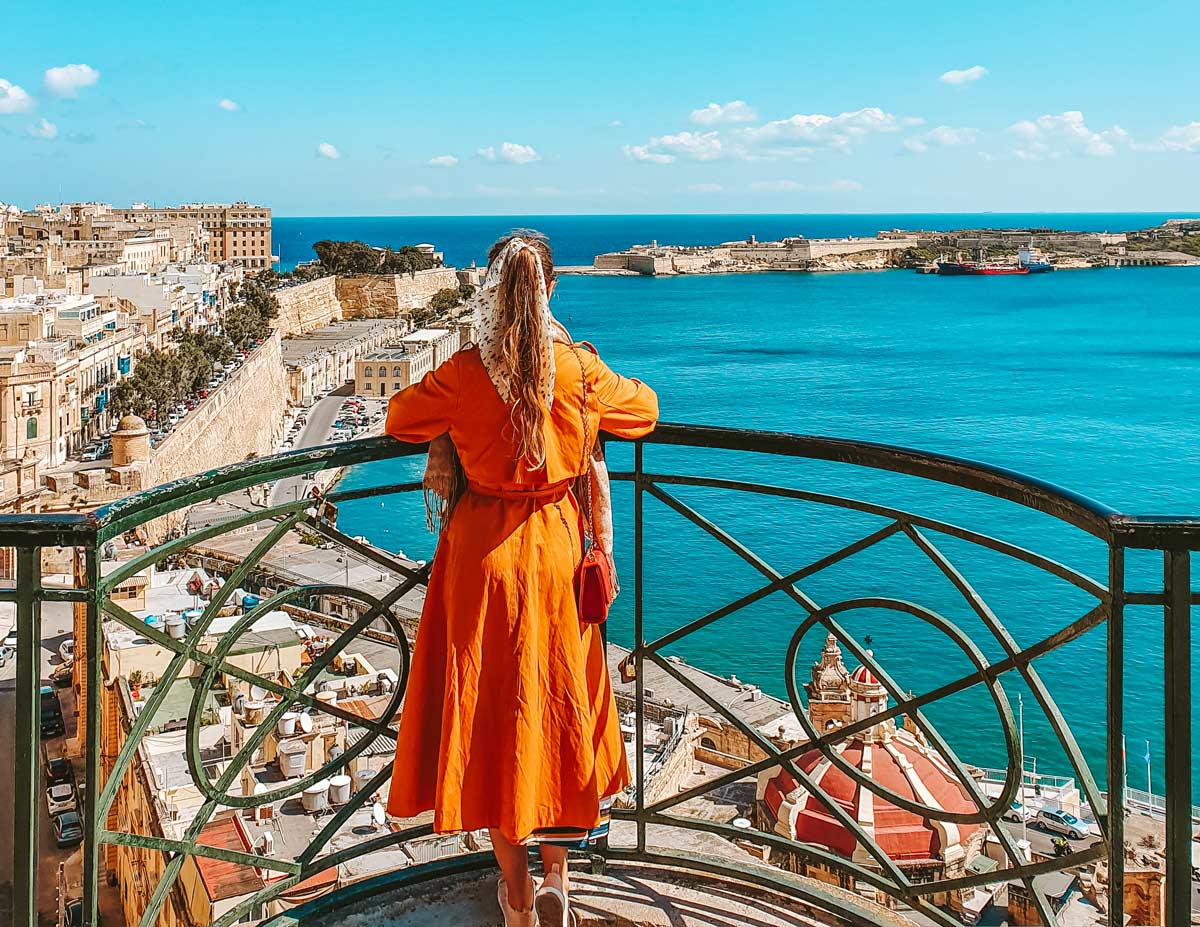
489,326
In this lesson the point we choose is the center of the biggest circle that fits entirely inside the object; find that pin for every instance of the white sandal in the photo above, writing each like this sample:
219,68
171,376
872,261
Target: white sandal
550,902
513,917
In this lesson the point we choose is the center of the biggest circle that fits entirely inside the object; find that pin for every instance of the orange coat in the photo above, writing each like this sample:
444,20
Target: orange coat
509,719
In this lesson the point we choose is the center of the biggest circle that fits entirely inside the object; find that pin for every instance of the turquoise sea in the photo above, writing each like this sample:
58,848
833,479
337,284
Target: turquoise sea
1088,379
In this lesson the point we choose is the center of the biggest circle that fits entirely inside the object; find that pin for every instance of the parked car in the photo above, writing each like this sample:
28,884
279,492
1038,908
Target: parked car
73,913
66,650
92,453
58,770
10,639
68,829
51,713
1061,822
60,798
1016,813
5,653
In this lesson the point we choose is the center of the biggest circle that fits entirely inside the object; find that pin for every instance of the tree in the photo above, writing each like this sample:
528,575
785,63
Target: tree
356,257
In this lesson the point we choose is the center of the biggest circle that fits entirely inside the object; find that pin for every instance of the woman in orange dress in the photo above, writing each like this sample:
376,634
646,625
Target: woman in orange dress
509,721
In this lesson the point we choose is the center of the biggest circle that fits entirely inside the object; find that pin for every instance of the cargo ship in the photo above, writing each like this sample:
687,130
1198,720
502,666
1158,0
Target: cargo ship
978,268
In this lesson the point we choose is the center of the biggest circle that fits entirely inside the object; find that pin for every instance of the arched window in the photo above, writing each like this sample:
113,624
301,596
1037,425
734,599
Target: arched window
383,371
31,428
368,371
395,371
707,743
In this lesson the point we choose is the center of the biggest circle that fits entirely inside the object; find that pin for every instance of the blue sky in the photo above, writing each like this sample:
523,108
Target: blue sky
579,107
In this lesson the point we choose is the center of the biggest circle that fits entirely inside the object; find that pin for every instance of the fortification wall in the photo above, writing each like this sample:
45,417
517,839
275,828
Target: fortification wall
241,418
307,306
382,295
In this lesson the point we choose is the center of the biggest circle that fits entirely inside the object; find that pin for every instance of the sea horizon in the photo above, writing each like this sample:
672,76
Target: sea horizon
578,238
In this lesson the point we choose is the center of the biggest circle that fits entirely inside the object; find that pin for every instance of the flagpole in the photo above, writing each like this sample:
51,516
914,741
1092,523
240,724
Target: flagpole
1021,717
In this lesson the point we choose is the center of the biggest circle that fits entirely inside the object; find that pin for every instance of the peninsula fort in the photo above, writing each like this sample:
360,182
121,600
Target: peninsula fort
1174,243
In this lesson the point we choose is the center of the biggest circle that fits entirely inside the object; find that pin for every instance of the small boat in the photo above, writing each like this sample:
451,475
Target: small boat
1031,257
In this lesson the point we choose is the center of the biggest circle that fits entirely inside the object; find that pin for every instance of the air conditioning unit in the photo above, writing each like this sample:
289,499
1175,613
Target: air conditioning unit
265,845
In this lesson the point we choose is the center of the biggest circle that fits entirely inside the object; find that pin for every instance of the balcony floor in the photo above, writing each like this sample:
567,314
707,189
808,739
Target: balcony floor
627,896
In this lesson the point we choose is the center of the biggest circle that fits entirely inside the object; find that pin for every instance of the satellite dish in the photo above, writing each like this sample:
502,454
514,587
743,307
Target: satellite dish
377,815
257,693
306,724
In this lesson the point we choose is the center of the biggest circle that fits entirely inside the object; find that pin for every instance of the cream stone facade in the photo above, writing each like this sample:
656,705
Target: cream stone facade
324,359
238,232
383,295
304,307
391,369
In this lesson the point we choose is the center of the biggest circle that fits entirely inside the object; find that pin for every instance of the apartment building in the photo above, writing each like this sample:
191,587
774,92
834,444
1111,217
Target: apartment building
238,232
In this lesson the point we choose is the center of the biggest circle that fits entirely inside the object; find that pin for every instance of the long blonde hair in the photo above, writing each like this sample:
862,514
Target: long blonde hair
520,339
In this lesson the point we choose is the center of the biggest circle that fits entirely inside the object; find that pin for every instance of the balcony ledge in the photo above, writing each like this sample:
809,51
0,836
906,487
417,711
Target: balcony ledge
628,894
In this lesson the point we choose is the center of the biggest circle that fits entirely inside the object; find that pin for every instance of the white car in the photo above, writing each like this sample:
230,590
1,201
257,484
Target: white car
60,798
10,639
66,650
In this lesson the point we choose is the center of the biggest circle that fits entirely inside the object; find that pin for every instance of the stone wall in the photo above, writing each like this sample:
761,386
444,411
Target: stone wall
379,296
307,306
243,417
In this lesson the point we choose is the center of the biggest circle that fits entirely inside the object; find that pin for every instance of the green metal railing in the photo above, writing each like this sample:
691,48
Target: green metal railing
666,471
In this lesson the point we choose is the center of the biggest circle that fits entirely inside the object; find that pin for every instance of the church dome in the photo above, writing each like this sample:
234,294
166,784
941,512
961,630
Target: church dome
864,677
901,764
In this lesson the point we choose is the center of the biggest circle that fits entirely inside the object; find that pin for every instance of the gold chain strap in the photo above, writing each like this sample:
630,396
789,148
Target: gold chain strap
584,476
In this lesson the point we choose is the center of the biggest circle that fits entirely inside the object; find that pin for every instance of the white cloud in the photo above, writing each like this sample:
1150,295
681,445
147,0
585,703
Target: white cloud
704,188
1065,134
965,76
446,160
940,137
510,153
44,129
793,186
716,113
796,137
14,99
643,153
230,106
70,78
616,123
326,150
1176,138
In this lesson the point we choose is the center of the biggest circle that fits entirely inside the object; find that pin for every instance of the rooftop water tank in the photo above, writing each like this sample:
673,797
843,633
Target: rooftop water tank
339,790
287,724
316,797
252,711
176,627
363,778
291,758
249,601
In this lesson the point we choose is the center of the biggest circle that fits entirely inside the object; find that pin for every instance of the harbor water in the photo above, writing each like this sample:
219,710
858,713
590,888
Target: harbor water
1089,379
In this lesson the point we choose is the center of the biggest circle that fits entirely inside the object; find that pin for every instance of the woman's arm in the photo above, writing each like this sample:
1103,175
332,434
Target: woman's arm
425,410
628,407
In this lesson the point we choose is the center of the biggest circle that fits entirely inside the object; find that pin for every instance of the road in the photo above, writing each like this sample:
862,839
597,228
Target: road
316,431
56,627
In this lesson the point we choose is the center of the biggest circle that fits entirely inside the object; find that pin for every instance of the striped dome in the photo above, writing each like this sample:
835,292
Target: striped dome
864,676
903,765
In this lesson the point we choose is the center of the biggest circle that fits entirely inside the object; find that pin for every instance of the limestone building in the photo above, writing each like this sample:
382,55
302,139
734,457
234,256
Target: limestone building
238,232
